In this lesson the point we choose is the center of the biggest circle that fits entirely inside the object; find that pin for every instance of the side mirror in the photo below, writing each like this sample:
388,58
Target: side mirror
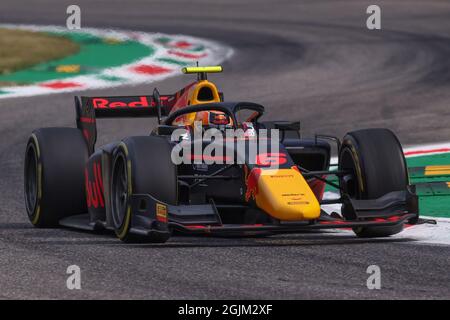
165,130
289,129
287,125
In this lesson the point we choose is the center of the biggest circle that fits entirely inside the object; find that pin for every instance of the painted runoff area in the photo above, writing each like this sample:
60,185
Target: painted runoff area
109,58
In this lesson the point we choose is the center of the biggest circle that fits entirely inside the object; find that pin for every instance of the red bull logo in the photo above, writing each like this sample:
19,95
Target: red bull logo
252,184
94,189
129,102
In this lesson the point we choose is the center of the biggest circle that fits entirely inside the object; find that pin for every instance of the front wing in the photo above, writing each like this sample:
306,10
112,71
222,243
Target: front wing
392,209
152,216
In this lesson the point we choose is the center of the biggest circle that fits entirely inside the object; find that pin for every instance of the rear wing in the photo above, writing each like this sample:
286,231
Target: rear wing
89,109
130,106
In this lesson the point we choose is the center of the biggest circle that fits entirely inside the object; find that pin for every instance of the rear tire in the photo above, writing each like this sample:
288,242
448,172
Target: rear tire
141,165
54,186
376,160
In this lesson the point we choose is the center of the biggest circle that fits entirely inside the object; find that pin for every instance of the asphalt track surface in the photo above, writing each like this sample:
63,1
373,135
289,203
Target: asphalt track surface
310,60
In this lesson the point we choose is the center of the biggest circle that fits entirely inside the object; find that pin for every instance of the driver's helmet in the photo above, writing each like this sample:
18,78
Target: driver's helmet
214,119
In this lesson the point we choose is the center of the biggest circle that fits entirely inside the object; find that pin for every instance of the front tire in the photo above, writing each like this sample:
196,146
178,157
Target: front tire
141,165
377,164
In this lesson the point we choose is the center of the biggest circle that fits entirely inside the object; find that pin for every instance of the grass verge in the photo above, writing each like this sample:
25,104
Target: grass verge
21,49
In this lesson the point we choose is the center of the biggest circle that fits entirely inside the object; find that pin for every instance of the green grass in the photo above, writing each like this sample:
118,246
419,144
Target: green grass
22,49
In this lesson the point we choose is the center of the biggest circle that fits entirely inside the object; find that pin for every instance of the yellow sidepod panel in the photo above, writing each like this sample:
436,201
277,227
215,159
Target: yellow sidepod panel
285,195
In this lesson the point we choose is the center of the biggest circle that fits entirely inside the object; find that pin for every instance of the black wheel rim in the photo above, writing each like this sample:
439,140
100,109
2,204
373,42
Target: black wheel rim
119,192
31,180
350,181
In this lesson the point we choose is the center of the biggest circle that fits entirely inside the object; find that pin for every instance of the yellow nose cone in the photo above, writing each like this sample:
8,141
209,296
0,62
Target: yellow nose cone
285,195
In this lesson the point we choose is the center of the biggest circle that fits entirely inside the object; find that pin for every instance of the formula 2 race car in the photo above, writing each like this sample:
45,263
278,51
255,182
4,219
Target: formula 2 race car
140,190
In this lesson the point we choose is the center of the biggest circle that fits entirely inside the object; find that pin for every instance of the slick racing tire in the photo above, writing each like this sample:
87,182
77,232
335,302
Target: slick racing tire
54,175
376,160
141,165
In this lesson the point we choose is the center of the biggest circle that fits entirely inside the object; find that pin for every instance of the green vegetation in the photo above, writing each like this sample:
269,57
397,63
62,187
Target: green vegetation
20,49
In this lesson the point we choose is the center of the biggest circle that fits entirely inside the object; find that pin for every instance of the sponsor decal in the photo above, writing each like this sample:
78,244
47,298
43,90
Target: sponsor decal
252,184
111,103
94,188
161,212
282,176
293,203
